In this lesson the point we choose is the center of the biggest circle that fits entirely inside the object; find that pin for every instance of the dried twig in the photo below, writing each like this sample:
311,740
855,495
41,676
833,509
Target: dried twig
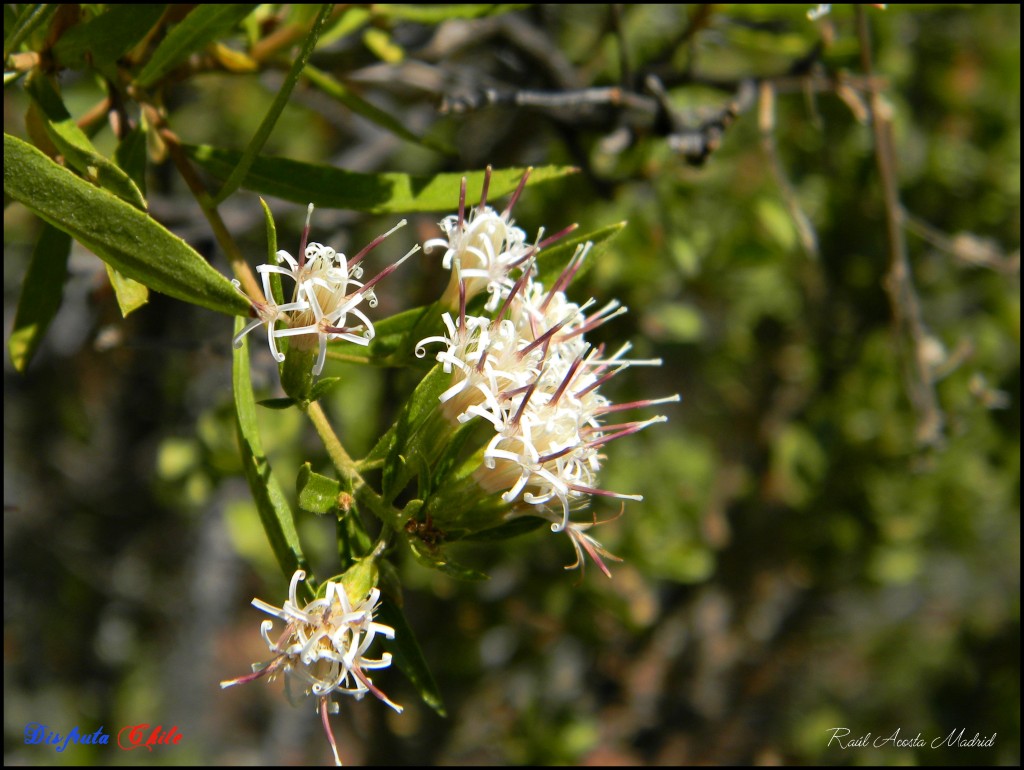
899,283
766,124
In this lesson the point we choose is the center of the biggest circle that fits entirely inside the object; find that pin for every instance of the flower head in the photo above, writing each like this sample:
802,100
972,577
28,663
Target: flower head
529,372
323,646
482,246
325,299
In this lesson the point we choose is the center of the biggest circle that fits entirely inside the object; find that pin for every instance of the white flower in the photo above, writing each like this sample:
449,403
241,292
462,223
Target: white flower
323,646
268,313
482,247
529,372
327,290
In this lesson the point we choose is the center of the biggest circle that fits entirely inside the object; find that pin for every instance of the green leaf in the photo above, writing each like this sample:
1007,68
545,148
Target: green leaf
380,44
203,24
131,295
121,235
418,434
338,90
275,513
360,578
131,156
435,557
40,295
280,101
76,147
375,193
435,14
271,228
32,16
408,656
323,387
396,336
317,494
108,36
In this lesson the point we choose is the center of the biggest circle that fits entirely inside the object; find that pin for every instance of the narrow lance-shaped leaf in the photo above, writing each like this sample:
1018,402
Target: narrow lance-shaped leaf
76,147
275,513
270,119
338,90
203,24
40,295
385,193
408,656
435,14
121,235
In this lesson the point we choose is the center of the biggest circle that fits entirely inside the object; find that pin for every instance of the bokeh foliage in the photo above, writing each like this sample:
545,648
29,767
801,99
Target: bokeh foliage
802,560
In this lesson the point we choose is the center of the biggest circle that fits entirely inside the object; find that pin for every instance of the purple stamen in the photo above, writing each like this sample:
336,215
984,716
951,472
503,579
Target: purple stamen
516,288
373,244
543,339
526,400
568,273
637,404
487,184
517,193
567,379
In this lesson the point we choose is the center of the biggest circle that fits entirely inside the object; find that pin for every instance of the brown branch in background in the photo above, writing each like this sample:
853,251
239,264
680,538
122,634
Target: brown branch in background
239,265
766,124
967,248
95,115
899,283
696,142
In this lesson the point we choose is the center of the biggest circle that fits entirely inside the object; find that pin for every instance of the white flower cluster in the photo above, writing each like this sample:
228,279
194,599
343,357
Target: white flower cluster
327,290
324,643
324,647
528,371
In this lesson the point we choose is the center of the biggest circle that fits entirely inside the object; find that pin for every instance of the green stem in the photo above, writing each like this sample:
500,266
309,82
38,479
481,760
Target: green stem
346,466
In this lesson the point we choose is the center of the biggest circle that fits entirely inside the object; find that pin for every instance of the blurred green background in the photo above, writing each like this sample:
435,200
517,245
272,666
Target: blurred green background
800,562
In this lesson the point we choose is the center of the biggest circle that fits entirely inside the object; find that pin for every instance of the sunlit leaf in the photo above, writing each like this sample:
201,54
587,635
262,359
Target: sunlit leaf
397,336
131,295
317,494
435,14
121,235
332,187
